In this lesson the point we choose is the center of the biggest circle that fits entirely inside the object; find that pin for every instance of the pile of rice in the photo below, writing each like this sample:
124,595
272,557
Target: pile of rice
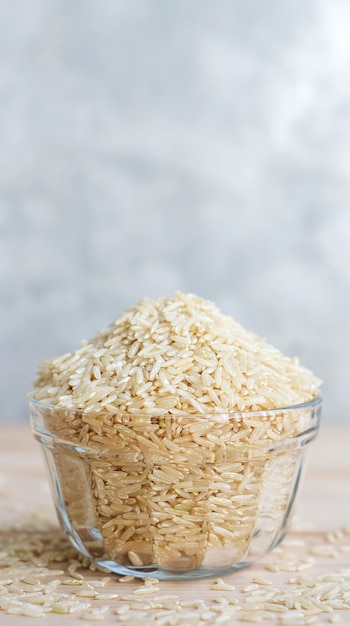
171,356
180,478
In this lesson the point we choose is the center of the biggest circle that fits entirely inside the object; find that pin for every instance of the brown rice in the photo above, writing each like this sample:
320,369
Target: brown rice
178,479
173,356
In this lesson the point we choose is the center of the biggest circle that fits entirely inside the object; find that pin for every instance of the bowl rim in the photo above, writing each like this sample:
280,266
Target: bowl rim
314,403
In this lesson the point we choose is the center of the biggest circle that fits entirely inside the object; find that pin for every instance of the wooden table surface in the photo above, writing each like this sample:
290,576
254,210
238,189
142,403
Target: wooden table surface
323,508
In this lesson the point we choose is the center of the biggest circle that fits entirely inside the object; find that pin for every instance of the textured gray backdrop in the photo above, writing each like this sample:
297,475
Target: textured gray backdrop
154,145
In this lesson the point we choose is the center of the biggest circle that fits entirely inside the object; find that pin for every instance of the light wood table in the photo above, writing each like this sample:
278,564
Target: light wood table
324,505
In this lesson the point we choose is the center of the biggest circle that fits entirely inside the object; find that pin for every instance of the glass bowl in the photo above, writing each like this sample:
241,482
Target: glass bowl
175,496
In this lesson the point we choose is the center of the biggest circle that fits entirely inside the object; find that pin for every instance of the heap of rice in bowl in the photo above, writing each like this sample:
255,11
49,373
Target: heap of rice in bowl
180,477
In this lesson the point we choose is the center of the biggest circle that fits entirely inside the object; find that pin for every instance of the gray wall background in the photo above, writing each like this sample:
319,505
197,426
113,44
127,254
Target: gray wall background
153,145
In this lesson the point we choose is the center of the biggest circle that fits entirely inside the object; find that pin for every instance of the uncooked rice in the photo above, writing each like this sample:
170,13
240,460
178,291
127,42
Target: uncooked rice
173,356
179,477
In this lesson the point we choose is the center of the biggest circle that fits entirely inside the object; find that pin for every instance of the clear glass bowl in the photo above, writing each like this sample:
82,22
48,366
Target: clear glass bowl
174,497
